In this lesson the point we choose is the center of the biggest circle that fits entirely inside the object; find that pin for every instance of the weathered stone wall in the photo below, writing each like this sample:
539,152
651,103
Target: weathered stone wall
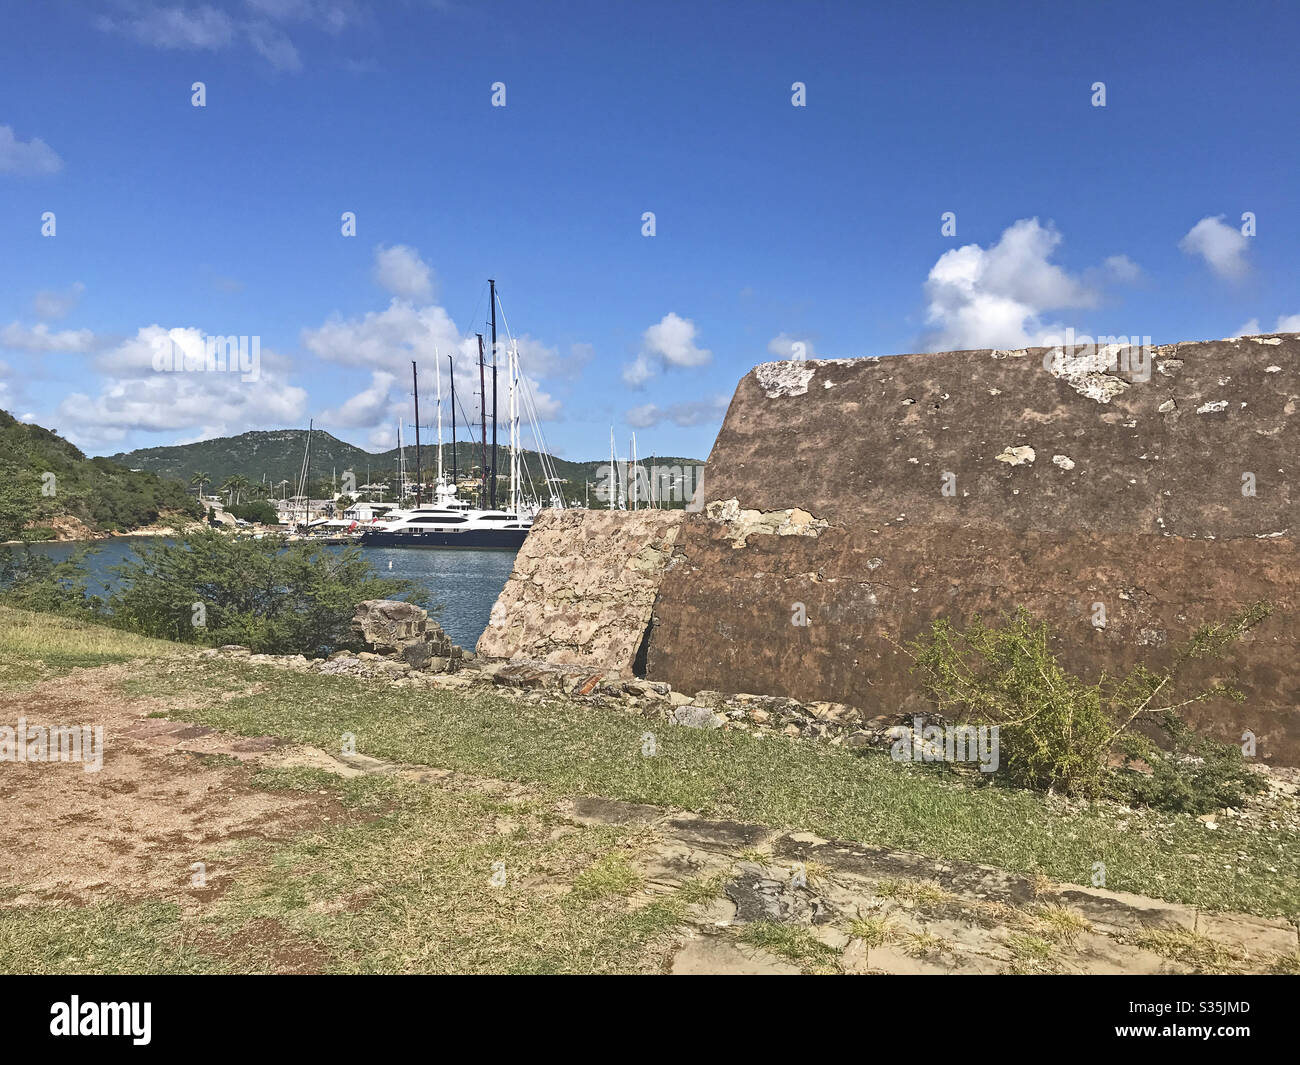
582,589
1069,487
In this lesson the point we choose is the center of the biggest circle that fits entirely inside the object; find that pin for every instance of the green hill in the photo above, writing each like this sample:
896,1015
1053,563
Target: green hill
267,458
45,481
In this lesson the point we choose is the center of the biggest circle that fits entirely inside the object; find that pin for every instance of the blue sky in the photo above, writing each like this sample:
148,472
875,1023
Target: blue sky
774,224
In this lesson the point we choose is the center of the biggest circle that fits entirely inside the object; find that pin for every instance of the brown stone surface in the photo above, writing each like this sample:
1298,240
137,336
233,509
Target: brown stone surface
582,588
824,489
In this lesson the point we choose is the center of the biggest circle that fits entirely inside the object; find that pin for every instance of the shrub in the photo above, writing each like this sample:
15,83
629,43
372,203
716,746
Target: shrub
275,596
1056,730
34,581
1196,775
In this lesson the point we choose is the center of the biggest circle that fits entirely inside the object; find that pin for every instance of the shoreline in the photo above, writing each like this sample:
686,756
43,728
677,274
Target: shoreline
151,531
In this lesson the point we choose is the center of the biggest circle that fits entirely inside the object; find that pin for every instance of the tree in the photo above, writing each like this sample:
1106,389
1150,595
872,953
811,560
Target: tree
199,480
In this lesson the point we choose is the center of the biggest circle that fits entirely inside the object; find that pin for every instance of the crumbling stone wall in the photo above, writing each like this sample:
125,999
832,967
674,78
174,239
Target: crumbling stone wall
870,496
582,589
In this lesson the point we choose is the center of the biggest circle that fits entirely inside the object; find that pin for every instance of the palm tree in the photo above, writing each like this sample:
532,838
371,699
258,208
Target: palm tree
228,486
199,480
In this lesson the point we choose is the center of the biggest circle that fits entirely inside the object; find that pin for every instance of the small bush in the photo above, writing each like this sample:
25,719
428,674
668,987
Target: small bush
206,587
1057,731
1195,776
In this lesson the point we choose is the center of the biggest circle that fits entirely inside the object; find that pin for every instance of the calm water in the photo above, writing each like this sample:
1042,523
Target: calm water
464,583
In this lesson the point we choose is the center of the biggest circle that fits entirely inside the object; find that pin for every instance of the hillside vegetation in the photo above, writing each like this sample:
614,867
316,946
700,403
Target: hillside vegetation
271,457
43,478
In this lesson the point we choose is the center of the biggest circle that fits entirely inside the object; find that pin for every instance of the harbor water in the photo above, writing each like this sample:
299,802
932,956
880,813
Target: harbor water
461,585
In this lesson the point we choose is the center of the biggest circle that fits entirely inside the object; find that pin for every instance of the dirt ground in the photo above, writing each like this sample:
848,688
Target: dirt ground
173,793
135,826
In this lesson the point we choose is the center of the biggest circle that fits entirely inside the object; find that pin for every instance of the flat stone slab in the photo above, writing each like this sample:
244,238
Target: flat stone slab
591,809
716,956
1120,911
875,863
1252,933
724,835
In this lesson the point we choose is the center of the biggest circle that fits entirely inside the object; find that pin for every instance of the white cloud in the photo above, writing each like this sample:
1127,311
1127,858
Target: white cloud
204,27
673,339
1286,323
638,372
388,340
38,338
26,158
669,342
198,28
685,415
1223,247
58,303
996,297
134,397
368,407
391,338
274,46
402,272
782,346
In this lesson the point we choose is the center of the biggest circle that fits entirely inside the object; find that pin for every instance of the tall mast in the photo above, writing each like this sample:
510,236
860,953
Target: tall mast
419,478
451,367
437,366
633,479
482,417
401,464
493,286
514,434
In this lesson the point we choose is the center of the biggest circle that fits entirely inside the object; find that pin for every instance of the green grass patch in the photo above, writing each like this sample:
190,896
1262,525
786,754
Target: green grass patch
106,938
574,748
36,647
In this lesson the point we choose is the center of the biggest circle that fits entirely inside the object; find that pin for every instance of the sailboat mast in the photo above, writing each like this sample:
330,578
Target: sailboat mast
482,432
451,368
437,377
419,479
514,435
493,286
633,479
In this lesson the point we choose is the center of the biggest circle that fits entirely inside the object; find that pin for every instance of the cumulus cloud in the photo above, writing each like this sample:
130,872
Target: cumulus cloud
26,158
368,407
782,346
403,273
685,415
389,339
58,303
1286,323
669,342
135,397
997,297
1223,247
38,339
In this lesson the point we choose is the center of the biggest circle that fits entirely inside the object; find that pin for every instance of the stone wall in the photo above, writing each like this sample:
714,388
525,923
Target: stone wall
582,589
873,495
